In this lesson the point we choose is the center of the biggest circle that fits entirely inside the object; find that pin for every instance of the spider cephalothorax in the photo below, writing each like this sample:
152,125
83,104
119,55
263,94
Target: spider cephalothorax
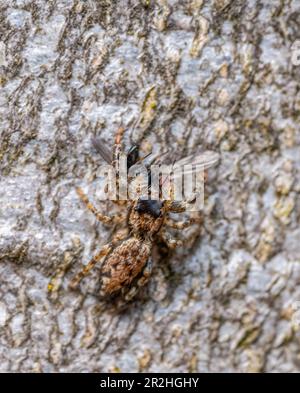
146,217
149,206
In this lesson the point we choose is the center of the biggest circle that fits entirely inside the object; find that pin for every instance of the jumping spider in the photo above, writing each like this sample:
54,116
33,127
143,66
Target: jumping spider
126,262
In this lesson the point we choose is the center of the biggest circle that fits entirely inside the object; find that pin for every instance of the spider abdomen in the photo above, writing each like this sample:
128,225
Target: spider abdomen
123,265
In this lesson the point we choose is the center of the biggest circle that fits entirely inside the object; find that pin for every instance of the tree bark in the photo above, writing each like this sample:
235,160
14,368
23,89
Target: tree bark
185,76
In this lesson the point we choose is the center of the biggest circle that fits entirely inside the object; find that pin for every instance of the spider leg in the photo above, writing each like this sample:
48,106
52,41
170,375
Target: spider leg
171,243
119,202
100,217
146,273
85,271
117,148
104,251
131,294
189,231
117,154
177,207
147,270
182,224
119,135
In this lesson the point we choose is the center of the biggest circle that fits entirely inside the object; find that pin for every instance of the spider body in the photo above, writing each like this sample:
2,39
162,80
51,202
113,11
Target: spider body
126,262
129,264
124,265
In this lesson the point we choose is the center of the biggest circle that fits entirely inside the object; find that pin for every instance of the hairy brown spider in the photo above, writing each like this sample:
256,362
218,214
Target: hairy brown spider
126,262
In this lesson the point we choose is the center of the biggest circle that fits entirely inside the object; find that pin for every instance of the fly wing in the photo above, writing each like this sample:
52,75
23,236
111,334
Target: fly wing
105,153
186,166
192,163
203,160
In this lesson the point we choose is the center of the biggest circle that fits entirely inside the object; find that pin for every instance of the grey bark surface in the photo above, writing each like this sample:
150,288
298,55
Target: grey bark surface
197,75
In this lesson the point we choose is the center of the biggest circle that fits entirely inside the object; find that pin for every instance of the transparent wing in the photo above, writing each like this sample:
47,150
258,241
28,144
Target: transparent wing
187,165
203,160
139,173
191,164
138,186
104,152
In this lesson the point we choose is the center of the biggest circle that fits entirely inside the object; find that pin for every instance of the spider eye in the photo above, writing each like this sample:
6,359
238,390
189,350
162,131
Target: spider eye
149,206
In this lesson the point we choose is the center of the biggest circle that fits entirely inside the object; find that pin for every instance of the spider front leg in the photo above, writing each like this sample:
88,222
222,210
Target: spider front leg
171,243
119,202
100,217
183,224
180,207
117,149
119,135
177,207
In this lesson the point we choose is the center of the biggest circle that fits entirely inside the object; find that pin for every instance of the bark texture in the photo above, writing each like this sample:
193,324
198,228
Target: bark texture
193,75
